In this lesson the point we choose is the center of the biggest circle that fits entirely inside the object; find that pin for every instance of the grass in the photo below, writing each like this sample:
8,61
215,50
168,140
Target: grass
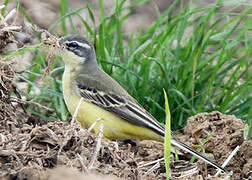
167,138
202,71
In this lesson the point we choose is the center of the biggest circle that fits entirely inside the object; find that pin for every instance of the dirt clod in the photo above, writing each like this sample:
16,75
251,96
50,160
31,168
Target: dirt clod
224,134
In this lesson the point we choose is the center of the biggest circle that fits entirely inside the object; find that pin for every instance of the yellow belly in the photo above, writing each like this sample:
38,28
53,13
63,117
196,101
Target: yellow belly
114,127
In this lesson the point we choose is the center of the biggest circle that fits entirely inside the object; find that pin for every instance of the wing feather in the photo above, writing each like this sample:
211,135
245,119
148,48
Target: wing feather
122,106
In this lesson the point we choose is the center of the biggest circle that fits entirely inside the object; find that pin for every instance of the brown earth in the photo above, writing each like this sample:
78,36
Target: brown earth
224,133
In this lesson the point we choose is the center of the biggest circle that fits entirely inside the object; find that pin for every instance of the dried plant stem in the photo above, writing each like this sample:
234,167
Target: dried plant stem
228,159
10,15
31,102
93,125
82,163
97,148
157,165
150,163
76,111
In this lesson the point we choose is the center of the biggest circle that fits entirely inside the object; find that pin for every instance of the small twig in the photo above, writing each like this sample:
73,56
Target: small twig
76,111
150,163
10,15
4,20
49,57
53,43
93,125
82,163
47,37
97,148
228,159
186,173
11,28
30,102
116,145
157,165
49,40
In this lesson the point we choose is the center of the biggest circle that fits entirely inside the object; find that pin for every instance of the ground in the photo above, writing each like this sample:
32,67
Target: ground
32,148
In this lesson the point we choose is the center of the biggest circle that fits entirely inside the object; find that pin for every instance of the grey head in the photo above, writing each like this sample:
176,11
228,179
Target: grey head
79,46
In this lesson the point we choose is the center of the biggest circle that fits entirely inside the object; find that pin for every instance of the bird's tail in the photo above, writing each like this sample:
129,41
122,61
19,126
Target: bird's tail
188,149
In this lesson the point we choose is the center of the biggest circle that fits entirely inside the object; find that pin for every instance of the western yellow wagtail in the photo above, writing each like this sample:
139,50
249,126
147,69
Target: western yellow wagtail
103,98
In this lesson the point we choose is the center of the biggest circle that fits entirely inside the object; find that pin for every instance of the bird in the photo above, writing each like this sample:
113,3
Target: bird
105,99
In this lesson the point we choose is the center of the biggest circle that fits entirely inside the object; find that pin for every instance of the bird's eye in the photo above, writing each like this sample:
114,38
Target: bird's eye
72,45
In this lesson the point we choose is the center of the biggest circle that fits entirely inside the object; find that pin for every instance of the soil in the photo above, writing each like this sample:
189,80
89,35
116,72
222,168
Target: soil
224,134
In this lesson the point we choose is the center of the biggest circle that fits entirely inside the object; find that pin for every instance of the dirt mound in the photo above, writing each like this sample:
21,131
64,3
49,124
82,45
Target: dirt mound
33,146
224,134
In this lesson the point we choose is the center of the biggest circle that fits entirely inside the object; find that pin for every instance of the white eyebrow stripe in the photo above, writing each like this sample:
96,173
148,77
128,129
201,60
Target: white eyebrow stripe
84,45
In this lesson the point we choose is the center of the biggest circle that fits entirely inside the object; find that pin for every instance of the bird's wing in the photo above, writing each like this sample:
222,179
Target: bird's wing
123,107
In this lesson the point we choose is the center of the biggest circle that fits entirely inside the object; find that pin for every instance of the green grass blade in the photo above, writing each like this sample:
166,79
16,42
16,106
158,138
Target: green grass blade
63,7
66,16
6,2
167,138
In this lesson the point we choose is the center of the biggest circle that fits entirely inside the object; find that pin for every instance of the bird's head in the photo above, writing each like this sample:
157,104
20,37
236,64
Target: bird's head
76,50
